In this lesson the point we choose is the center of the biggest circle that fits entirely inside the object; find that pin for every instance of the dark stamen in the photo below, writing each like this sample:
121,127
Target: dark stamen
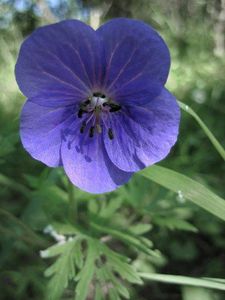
91,131
88,101
110,134
83,127
114,107
80,113
97,94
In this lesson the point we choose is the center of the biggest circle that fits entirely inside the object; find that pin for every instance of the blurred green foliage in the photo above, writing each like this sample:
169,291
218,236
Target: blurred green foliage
189,240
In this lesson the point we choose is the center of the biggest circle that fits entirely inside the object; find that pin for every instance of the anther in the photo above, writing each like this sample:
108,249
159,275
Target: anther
88,101
83,127
91,131
80,113
114,107
100,95
110,134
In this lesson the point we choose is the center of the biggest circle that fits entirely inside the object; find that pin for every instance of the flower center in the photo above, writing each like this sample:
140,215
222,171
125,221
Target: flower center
97,109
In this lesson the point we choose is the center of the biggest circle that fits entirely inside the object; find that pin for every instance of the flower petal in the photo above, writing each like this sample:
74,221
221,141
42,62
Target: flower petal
63,59
137,92
133,48
143,135
42,130
87,164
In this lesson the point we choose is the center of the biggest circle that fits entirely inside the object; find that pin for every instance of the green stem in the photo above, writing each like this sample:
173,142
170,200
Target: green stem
72,207
211,137
30,234
25,238
14,185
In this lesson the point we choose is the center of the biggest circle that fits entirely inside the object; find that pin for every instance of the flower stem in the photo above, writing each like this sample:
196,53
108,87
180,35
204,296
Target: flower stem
72,207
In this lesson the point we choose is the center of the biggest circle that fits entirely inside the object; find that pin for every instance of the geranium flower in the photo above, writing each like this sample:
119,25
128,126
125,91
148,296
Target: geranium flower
96,100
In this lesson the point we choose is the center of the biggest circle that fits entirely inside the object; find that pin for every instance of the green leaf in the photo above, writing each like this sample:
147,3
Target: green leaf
78,255
173,223
65,228
96,270
113,295
105,274
86,274
61,271
211,137
140,228
125,270
110,209
190,189
122,290
183,280
54,250
98,292
127,237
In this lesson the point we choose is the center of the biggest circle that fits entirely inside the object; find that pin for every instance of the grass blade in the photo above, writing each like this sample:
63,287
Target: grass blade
211,137
184,280
190,189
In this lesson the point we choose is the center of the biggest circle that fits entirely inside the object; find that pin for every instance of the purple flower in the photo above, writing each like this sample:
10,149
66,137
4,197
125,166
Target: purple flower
96,100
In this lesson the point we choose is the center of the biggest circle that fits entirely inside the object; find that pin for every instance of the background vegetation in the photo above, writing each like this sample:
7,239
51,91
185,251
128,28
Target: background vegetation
189,240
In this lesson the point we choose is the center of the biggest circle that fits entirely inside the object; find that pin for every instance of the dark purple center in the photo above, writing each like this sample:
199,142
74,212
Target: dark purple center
96,110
